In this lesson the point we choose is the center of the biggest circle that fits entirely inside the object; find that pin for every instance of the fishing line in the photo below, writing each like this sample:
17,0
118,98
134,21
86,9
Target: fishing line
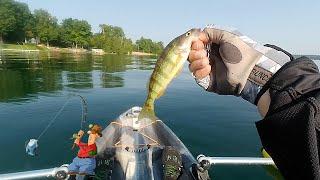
32,144
52,121
84,110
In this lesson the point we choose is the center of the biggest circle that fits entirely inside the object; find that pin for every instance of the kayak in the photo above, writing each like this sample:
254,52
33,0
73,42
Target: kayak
138,149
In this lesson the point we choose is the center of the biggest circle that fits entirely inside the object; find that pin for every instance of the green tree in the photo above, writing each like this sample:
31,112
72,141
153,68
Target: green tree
76,32
7,18
14,17
22,16
127,46
30,30
46,26
111,31
97,41
157,47
112,39
149,46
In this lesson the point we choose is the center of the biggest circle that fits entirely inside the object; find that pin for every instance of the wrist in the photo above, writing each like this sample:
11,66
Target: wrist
250,91
204,82
272,59
264,103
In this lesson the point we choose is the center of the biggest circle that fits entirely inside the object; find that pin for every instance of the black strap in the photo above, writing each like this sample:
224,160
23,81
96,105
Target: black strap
266,86
280,49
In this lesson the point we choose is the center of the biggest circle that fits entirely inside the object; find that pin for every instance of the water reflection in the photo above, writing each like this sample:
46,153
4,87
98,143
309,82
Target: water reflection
21,83
79,80
24,75
143,62
110,80
114,63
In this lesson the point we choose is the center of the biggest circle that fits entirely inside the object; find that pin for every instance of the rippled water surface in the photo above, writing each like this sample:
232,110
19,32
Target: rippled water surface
33,87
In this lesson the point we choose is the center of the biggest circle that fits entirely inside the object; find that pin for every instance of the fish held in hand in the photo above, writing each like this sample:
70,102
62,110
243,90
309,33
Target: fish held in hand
168,66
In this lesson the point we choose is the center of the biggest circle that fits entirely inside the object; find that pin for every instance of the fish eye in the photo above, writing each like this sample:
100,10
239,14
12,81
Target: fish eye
188,33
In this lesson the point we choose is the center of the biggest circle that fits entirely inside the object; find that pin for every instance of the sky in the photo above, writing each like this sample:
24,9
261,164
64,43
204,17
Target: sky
290,24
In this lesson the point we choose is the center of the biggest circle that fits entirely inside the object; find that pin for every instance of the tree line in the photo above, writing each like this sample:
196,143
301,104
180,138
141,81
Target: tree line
19,25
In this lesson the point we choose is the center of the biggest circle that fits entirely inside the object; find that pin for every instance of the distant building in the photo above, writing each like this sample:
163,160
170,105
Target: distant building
97,51
31,41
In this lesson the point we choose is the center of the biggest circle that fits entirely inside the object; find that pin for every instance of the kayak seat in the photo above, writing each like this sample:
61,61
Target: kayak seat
172,163
104,165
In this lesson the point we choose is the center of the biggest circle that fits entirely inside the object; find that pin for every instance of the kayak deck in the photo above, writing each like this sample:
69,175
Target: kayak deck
132,148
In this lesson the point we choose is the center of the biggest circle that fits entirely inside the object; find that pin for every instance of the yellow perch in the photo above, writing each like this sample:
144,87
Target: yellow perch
168,66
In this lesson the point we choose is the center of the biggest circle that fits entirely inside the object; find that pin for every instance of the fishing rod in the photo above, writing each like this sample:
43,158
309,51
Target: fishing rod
83,116
32,145
84,112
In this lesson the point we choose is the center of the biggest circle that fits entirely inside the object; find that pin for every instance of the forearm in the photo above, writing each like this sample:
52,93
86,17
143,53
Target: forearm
289,131
250,94
261,74
272,59
264,103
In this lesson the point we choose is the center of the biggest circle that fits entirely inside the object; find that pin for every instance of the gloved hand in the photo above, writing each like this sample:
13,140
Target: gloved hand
225,62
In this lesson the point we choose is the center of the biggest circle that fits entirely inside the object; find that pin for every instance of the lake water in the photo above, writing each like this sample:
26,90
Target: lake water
33,88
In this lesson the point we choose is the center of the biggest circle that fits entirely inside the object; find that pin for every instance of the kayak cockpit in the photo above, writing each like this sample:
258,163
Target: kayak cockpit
133,149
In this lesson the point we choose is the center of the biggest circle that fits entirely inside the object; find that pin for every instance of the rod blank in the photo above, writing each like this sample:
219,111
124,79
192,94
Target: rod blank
235,160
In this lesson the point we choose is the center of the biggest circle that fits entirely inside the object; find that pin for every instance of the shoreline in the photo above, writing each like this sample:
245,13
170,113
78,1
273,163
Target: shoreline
32,48
136,53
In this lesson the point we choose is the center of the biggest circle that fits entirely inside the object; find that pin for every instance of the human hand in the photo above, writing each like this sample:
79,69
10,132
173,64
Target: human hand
230,60
199,61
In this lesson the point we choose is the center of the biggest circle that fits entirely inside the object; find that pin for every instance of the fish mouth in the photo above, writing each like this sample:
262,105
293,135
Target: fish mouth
187,38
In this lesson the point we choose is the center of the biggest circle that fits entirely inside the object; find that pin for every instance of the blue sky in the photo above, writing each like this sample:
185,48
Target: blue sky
292,25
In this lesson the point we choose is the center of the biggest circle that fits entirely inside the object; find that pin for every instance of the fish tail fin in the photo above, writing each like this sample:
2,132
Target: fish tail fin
147,112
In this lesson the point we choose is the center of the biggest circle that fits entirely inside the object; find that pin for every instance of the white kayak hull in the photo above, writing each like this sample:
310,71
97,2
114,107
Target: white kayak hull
132,149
